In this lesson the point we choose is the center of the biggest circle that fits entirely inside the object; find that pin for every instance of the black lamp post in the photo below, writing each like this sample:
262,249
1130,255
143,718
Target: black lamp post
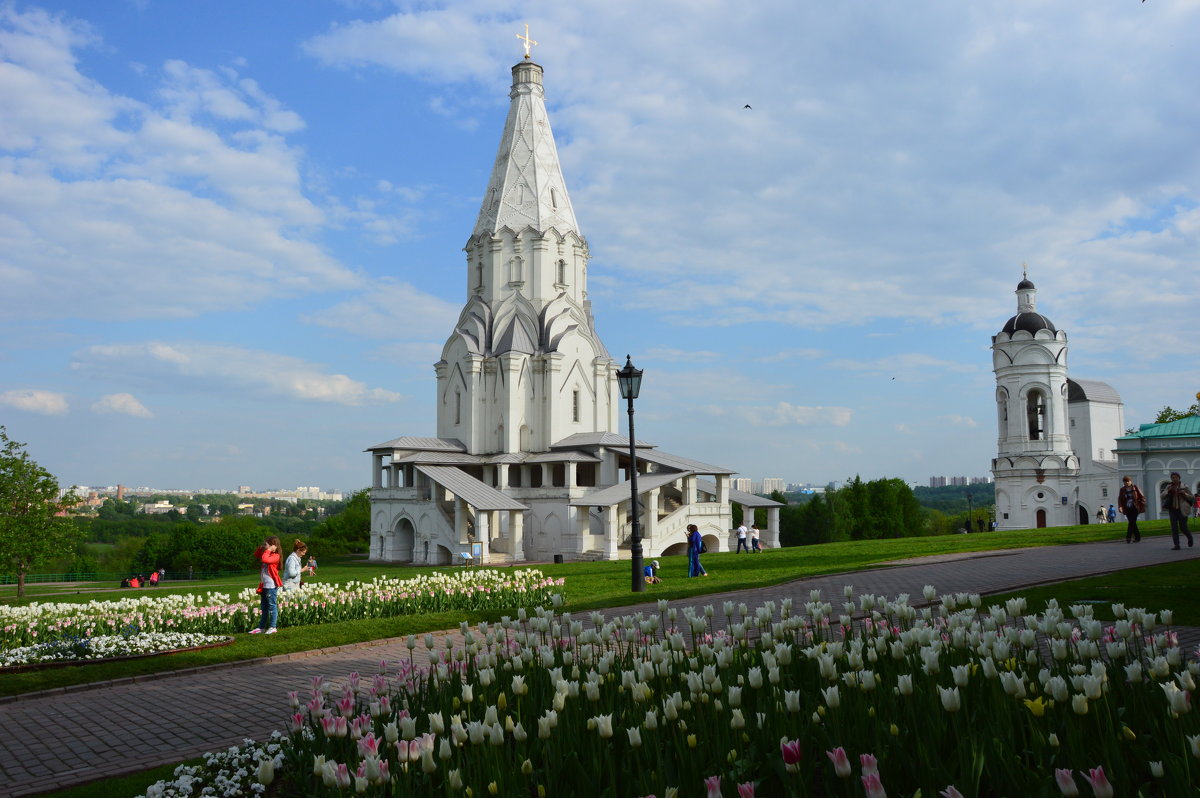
629,380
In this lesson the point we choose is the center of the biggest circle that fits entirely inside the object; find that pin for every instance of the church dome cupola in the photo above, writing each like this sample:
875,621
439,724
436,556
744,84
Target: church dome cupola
1027,318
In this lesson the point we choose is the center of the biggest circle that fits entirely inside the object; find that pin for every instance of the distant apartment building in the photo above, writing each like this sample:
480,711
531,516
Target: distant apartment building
941,482
743,484
770,484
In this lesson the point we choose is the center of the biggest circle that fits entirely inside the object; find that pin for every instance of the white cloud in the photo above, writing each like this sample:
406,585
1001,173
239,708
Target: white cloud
391,309
960,421
792,354
669,355
47,403
897,167
214,368
787,414
908,366
118,209
123,403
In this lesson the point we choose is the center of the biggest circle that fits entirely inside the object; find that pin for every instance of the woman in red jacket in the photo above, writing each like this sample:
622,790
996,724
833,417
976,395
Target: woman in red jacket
268,586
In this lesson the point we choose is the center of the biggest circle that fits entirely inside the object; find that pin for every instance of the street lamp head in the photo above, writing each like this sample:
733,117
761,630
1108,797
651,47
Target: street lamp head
629,380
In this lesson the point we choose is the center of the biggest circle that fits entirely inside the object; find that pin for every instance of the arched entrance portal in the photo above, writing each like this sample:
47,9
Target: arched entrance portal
1041,519
1084,518
402,540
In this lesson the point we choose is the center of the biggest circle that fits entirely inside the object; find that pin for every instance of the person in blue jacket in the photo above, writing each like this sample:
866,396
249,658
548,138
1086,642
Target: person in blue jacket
695,546
651,573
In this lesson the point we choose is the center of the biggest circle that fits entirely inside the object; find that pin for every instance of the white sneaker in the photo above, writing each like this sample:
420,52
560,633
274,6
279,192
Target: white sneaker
271,631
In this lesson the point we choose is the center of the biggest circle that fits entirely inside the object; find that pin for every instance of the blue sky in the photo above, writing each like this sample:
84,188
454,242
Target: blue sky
231,233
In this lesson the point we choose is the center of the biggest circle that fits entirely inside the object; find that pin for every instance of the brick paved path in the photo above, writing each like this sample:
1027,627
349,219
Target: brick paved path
65,737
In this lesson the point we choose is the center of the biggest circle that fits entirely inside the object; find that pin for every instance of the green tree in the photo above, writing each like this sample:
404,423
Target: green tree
352,525
31,532
1169,413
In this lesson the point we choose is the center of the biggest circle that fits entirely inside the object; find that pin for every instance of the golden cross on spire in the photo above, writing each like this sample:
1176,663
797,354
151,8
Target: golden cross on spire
528,41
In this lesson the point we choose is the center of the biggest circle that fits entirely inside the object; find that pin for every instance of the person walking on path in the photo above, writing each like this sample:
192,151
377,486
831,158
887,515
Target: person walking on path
1177,501
754,545
695,546
268,586
1132,503
1112,514
742,532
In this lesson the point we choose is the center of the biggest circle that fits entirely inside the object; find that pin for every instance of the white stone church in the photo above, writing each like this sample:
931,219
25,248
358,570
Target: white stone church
1056,463
528,463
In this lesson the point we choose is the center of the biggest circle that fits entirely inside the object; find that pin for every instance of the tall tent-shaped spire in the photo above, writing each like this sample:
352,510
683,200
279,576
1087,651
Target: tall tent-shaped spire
525,366
527,187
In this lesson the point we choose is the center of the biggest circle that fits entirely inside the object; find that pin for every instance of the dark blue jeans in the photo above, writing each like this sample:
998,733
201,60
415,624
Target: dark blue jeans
270,609
1179,524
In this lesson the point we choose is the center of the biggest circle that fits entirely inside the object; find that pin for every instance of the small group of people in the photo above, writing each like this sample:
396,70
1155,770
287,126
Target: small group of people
752,545
1177,502
142,580
271,582
1108,516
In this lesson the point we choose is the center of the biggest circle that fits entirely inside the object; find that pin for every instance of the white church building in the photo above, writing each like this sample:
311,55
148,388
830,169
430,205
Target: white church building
1056,460
528,463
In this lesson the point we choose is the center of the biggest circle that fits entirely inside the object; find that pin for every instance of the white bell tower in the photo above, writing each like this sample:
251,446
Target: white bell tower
1035,467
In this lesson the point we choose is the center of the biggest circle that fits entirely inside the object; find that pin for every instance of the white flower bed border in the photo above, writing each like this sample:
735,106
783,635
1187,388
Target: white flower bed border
105,648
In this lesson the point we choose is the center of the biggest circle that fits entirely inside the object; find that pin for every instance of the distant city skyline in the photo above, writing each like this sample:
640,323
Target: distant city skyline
234,231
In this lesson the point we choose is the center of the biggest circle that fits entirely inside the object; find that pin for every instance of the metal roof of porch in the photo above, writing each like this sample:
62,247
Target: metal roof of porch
469,489
618,493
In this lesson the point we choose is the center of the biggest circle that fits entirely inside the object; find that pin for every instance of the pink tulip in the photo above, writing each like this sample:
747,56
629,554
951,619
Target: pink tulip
1099,782
297,721
712,787
951,792
343,777
869,765
746,790
1066,784
368,746
873,786
790,750
841,764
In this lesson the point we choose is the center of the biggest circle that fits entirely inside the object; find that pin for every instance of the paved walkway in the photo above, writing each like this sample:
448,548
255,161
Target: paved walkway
66,737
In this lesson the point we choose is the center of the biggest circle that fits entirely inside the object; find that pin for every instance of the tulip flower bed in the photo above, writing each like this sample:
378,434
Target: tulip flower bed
219,613
950,700
102,647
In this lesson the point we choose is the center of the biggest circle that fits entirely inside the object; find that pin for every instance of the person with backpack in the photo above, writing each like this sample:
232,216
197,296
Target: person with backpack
695,548
267,556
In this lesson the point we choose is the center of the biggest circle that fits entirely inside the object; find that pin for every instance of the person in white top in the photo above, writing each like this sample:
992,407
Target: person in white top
754,546
741,533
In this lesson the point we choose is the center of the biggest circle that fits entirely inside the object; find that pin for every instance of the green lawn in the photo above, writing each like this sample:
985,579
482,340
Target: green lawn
1160,587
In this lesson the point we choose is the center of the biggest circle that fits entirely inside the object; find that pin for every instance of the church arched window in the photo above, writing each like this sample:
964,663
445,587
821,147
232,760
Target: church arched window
561,277
516,269
457,407
575,405
553,199
1035,415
